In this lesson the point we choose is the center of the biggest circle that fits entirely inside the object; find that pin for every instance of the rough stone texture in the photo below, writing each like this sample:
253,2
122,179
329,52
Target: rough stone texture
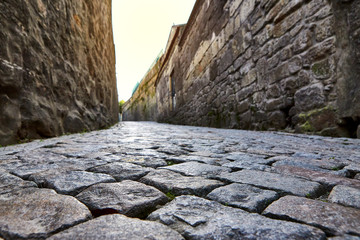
36,213
151,144
122,171
275,181
244,196
175,183
332,218
327,179
73,182
57,68
197,169
290,65
117,226
9,183
197,218
346,196
130,198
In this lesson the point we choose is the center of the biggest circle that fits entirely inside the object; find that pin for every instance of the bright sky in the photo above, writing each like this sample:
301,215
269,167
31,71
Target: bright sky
141,30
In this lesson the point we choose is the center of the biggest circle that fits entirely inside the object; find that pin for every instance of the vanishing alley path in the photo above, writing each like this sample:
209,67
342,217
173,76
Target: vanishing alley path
145,180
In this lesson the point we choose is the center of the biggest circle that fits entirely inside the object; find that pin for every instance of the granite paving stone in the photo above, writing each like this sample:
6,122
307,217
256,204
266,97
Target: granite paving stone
198,218
197,169
120,227
145,161
35,213
177,184
10,183
122,170
244,196
346,196
198,182
128,197
332,218
275,181
73,182
327,179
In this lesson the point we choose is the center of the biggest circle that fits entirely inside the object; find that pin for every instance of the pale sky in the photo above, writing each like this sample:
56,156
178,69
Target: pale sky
141,30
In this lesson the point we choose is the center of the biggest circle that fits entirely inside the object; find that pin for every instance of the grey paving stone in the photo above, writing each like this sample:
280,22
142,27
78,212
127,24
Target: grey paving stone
130,198
275,181
120,227
244,196
197,169
145,161
332,218
73,182
35,213
326,179
122,170
249,165
346,196
198,218
177,184
10,183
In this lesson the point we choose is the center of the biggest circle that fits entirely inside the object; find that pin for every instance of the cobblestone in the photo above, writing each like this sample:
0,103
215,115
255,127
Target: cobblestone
144,161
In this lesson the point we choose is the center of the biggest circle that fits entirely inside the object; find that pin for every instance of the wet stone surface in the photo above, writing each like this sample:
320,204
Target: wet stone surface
187,182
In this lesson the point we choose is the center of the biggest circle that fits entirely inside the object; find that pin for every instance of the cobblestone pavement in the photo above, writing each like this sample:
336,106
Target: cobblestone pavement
144,180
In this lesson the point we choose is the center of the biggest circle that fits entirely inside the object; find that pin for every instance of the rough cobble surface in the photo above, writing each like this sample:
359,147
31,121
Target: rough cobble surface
178,182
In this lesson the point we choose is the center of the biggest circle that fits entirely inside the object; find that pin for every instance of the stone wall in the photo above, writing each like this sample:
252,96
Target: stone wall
57,68
142,104
266,65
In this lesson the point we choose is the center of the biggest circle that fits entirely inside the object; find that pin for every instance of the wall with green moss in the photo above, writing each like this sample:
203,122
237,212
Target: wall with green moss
142,105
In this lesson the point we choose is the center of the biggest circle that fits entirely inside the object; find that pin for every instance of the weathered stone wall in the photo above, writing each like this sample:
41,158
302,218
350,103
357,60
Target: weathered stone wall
57,68
142,104
266,65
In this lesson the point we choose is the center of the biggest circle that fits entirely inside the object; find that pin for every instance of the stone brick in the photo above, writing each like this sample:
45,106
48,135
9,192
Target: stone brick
295,64
327,179
290,7
275,181
346,196
302,42
321,69
246,8
324,29
310,97
282,27
276,9
332,218
279,73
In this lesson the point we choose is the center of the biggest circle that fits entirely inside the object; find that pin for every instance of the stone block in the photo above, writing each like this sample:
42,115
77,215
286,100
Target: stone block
346,196
325,178
310,97
275,181
117,226
245,10
38,213
198,218
244,196
287,23
324,29
332,218
129,198
177,184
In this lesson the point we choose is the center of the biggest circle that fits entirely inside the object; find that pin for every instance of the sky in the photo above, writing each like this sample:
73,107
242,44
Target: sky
141,30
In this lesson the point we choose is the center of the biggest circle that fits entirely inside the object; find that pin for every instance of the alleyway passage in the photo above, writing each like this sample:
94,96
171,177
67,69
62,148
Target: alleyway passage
144,180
